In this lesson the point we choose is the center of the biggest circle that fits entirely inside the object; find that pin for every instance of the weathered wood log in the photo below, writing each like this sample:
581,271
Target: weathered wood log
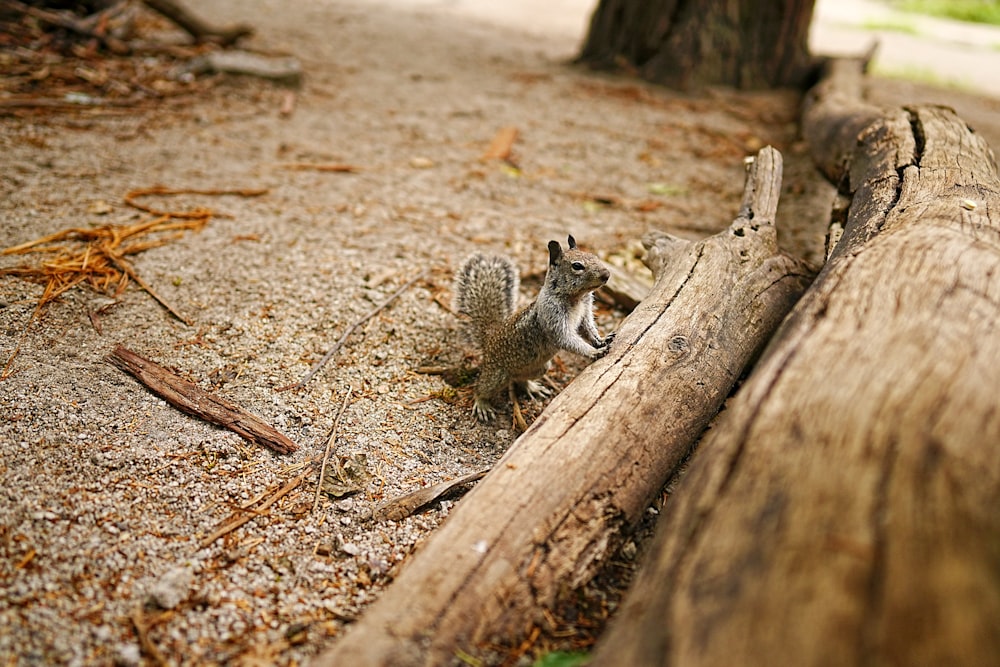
194,400
555,506
844,509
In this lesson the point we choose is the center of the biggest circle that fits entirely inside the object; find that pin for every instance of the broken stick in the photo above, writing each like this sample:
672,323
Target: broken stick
201,30
131,198
403,506
195,401
351,329
329,445
246,518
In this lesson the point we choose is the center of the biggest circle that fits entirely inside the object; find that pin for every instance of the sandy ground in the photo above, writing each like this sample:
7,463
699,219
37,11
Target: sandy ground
108,492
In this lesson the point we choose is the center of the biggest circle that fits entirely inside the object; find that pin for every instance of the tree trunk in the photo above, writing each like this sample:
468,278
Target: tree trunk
554,507
844,510
690,43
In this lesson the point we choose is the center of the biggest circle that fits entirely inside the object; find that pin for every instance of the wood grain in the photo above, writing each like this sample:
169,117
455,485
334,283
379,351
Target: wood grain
844,510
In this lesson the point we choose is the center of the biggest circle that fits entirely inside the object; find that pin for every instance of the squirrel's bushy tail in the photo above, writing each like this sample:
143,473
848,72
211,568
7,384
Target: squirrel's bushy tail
486,288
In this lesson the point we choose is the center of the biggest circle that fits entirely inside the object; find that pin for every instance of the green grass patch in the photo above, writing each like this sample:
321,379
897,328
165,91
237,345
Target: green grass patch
892,25
921,75
562,659
972,11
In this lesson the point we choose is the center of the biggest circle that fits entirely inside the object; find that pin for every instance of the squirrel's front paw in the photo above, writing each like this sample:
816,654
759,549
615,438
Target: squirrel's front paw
536,390
606,343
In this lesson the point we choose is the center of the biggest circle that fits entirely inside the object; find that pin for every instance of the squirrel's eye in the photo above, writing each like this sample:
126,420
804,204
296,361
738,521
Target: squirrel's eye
578,266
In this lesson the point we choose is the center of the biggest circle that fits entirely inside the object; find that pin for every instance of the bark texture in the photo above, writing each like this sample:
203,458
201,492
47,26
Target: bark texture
694,43
553,508
195,401
844,510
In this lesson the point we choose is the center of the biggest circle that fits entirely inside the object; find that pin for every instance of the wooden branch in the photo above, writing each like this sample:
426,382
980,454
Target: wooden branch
834,112
843,511
195,401
556,505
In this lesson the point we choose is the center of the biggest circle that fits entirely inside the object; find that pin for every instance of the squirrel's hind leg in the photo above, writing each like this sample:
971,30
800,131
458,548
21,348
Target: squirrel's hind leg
492,379
482,409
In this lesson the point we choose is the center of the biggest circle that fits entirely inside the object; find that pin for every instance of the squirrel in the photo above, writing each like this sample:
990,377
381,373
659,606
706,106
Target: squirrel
517,347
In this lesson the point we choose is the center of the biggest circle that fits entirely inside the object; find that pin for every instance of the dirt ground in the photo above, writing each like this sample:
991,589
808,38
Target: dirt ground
109,492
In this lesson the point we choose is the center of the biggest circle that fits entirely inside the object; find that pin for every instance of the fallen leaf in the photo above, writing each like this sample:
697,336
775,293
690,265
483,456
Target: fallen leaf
502,144
347,475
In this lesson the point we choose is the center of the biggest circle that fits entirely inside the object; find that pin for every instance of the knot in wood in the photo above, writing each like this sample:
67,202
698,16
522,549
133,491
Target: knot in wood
678,343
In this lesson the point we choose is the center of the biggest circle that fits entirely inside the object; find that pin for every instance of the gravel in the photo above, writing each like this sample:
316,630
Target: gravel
108,492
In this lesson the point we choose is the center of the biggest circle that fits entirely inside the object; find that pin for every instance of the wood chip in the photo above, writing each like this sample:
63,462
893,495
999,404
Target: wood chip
403,506
195,401
502,145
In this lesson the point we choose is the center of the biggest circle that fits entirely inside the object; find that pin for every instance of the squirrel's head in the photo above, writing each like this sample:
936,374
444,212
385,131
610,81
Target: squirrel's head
575,269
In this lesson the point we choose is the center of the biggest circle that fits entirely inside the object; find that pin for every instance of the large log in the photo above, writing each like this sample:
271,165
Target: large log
554,507
846,508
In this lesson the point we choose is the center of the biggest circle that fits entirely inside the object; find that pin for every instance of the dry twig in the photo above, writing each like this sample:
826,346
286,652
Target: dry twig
329,446
250,515
321,166
197,27
404,506
193,214
340,343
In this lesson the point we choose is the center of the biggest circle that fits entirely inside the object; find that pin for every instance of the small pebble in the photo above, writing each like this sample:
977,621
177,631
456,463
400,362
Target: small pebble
173,587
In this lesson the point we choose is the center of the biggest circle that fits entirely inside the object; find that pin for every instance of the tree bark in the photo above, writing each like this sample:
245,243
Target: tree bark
554,507
695,43
194,400
844,510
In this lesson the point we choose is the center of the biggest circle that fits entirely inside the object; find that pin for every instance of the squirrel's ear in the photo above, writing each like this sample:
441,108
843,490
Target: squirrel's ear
555,252
572,242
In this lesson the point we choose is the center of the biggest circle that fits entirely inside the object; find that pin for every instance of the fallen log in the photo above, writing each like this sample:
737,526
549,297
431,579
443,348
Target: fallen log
843,511
556,505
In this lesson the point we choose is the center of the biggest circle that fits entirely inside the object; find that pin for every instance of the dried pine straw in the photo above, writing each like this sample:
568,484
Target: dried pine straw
96,256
